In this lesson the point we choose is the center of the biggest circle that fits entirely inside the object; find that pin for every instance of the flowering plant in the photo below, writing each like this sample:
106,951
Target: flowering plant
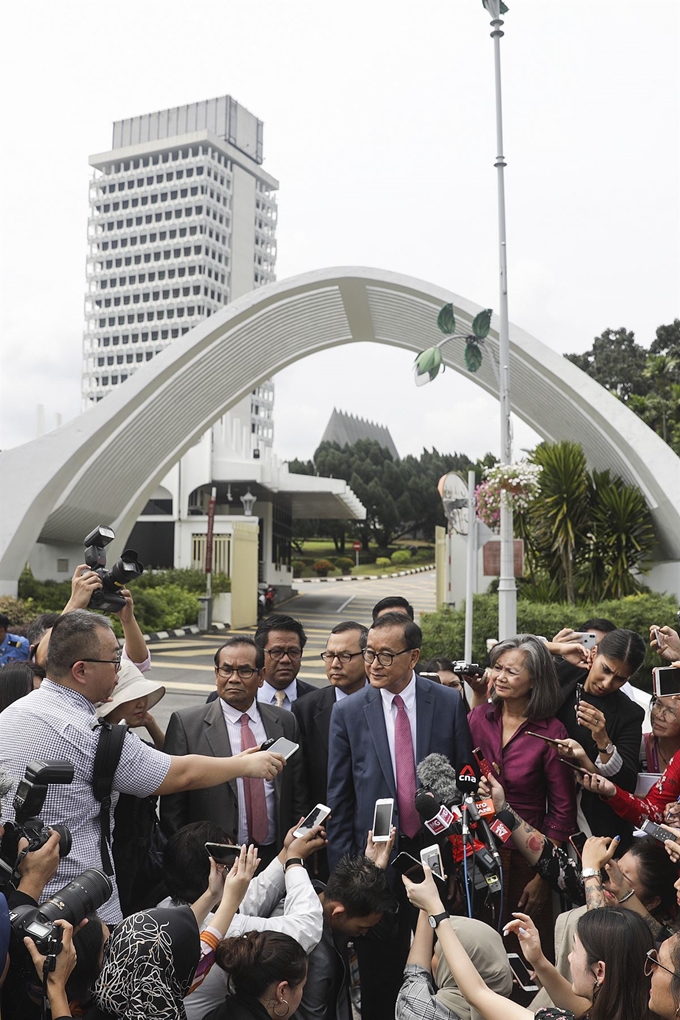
520,483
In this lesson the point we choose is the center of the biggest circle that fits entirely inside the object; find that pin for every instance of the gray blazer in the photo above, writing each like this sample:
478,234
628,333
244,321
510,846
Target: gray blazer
202,730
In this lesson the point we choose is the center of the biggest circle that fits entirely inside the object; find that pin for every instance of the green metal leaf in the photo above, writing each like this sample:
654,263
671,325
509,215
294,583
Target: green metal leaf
427,365
473,357
503,8
481,324
446,320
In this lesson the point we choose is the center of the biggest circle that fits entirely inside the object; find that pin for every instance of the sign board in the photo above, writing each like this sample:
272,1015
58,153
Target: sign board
492,558
356,546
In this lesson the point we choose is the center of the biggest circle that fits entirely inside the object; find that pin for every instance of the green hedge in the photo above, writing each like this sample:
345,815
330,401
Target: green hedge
444,631
400,557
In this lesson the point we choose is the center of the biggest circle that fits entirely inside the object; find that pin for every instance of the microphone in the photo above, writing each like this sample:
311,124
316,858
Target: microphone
467,780
436,773
436,817
503,825
482,826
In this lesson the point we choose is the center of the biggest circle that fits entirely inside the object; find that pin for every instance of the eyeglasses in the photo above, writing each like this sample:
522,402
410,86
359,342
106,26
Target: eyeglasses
666,711
384,658
115,662
342,656
243,672
652,962
294,654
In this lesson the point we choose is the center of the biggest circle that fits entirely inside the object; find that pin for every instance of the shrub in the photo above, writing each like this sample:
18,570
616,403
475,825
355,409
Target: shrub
188,580
444,630
321,568
383,561
400,557
298,566
21,612
424,555
345,564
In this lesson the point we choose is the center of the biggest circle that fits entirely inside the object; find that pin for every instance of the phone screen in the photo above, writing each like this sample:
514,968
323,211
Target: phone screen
284,747
432,857
223,853
578,841
521,972
382,822
666,681
315,817
409,866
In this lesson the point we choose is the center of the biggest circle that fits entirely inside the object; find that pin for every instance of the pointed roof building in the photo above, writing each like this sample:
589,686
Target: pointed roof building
345,430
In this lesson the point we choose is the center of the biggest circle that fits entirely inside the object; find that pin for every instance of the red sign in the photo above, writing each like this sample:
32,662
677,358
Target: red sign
356,546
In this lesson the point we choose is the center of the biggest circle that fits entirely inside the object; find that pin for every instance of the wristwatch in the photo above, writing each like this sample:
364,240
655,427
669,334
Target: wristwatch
590,873
292,860
435,920
609,749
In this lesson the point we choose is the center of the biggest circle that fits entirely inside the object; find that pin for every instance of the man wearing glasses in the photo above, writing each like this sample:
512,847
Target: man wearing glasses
58,722
377,737
248,810
283,640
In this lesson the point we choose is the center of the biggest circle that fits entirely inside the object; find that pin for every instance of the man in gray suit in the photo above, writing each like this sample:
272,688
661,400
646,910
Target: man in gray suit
249,811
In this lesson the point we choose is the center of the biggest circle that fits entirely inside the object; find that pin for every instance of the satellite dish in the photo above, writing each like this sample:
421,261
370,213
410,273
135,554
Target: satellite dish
454,495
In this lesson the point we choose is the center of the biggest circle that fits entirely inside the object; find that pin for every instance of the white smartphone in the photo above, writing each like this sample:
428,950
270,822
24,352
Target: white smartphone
587,640
521,971
382,820
315,817
666,681
283,746
432,857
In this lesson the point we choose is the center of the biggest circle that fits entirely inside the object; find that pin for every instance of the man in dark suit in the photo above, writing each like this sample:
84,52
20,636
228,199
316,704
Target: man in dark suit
376,739
249,811
283,640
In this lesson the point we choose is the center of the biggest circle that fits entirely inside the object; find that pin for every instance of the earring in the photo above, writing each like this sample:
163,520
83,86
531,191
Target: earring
283,1001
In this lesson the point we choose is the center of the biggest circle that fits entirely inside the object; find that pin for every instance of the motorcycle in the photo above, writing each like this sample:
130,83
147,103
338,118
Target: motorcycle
266,599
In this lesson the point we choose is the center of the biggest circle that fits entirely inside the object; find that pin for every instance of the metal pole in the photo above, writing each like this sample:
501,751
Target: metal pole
471,573
507,590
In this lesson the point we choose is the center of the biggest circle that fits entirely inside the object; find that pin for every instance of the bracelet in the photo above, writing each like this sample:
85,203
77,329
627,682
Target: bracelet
591,873
291,861
627,896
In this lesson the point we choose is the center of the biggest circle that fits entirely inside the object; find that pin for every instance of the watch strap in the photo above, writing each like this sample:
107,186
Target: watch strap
436,919
291,861
590,873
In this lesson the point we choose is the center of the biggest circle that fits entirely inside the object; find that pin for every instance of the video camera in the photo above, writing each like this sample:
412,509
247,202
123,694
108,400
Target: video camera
468,668
124,570
28,802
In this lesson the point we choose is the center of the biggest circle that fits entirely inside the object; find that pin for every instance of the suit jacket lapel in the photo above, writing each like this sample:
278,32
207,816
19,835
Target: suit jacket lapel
217,735
322,716
424,717
373,711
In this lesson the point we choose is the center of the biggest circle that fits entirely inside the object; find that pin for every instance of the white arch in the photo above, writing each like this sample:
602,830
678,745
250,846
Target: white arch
106,462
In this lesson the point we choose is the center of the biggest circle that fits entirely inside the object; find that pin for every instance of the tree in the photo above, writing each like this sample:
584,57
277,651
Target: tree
616,362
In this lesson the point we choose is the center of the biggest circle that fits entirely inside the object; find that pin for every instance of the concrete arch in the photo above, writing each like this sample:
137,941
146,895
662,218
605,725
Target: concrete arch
115,454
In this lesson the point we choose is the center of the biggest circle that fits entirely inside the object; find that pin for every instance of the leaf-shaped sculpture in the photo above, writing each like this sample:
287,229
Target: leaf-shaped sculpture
427,365
446,320
503,8
473,356
481,323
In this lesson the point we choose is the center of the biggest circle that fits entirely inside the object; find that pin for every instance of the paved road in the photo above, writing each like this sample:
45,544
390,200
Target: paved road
185,665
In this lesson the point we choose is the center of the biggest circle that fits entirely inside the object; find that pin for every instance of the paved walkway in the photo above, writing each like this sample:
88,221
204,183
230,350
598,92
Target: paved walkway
185,665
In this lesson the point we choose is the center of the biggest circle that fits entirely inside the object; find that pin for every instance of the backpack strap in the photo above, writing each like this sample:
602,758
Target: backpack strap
109,750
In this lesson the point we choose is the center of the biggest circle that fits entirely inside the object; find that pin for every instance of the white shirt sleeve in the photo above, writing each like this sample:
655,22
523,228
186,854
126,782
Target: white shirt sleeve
302,916
265,891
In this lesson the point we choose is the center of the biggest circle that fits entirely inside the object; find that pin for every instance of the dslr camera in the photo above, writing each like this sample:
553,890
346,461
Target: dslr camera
28,802
124,570
469,668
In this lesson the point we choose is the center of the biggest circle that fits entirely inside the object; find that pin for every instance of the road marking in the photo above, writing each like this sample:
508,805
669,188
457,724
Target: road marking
346,603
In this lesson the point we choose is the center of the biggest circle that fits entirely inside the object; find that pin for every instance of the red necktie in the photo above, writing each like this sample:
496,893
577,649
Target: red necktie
256,803
409,819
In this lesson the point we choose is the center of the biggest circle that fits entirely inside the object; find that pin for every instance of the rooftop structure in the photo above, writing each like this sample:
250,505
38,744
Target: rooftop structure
345,430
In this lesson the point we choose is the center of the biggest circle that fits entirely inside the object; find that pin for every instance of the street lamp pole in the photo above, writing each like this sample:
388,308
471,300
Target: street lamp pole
507,589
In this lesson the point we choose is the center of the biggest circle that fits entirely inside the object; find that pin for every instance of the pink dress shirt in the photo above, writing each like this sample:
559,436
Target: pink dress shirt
537,785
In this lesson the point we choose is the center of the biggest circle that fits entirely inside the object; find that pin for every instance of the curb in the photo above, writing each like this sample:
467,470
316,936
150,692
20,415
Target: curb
164,635
364,577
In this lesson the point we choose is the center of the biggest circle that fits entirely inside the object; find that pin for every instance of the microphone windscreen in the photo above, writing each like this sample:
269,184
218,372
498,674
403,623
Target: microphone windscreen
437,774
427,805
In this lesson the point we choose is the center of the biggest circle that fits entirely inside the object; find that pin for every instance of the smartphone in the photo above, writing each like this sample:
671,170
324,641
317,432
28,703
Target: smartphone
548,740
432,856
579,695
315,817
413,869
656,634
658,832
578,841
282,746
666,681
223,853
382,820
482,763
521,971
576,768
587,640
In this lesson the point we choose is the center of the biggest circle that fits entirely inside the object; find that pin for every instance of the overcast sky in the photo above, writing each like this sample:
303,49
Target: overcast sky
379,124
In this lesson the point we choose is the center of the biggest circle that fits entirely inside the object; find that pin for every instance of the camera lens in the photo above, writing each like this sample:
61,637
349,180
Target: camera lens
65,840
80,897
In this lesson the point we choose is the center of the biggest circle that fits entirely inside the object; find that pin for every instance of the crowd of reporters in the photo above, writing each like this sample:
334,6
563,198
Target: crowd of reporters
272,929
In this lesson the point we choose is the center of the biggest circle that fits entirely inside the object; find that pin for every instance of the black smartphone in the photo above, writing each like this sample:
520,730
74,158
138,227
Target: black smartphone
413,869
579,695
223,853
576,768
519,968
658,832
578,841
548,740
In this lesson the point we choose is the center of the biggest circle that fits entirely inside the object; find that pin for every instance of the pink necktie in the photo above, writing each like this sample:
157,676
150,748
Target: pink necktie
256,803
409,819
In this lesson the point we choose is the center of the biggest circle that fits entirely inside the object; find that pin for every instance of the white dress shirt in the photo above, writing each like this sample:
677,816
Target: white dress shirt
408,696
232,718
341,695
267,693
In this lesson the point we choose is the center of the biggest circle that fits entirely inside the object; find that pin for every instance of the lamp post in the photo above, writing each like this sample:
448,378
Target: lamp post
507,589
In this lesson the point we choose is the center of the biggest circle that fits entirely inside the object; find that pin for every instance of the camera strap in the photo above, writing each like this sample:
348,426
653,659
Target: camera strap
109,749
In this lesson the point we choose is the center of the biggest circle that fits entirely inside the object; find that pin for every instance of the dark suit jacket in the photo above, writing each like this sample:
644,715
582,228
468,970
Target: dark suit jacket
302,688
202,730
359,763
313,714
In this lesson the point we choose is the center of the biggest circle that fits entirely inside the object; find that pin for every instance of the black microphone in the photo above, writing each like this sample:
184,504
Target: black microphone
482,827
467,780
436,817
436,773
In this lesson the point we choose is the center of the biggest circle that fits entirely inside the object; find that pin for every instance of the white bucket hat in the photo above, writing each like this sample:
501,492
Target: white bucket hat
132,684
